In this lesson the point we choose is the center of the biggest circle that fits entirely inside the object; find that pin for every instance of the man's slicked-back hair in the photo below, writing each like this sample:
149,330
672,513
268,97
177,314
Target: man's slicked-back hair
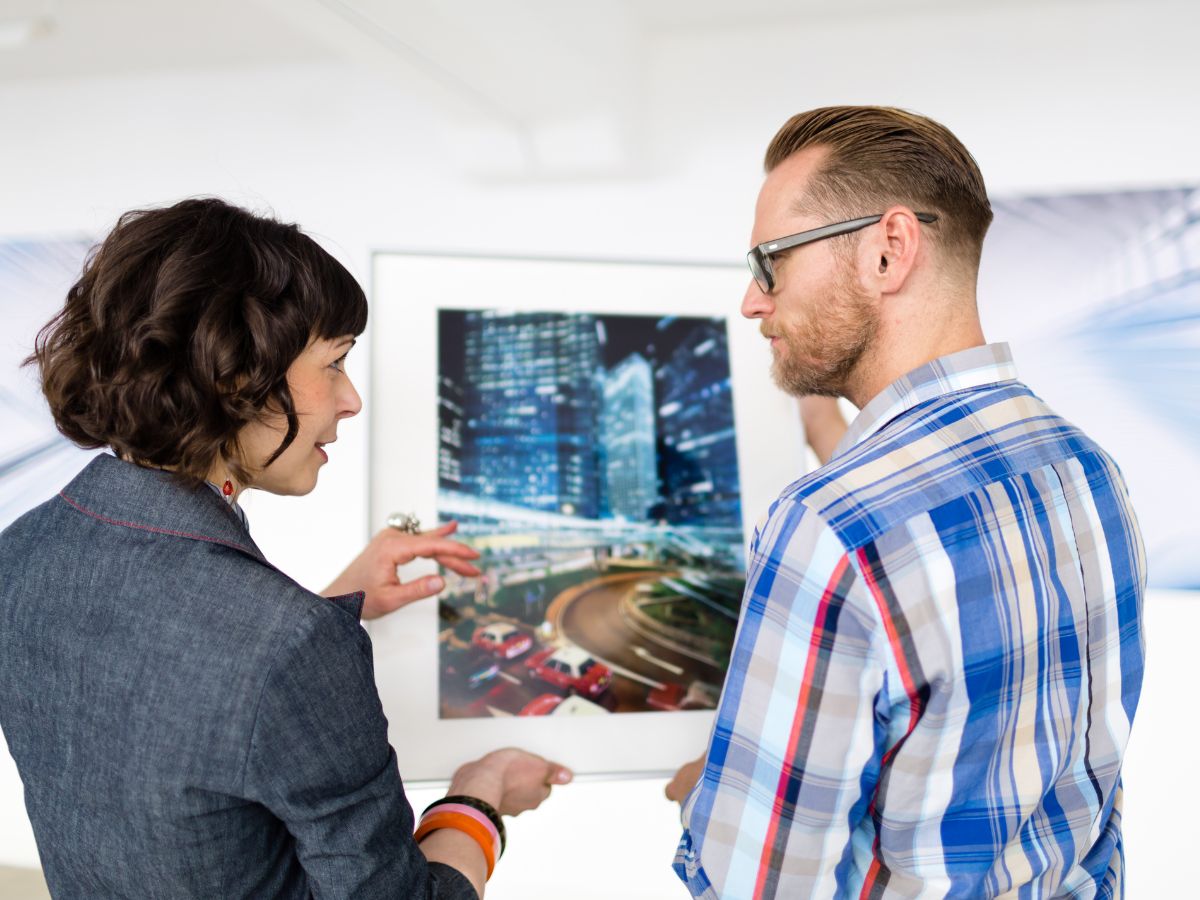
878,156
181,330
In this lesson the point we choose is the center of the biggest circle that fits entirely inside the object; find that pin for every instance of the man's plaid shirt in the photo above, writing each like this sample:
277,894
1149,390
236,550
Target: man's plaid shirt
937,664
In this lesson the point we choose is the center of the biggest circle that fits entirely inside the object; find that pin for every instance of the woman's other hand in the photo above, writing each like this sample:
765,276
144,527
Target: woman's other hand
374,570
511,780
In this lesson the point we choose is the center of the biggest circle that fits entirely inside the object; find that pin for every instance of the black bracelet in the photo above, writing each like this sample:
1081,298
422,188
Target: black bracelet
475,803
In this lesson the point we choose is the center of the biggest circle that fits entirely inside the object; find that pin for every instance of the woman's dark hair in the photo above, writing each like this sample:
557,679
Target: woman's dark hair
181,330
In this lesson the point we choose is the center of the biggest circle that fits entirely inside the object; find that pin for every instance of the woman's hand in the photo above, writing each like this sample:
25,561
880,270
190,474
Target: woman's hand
511,780
374,570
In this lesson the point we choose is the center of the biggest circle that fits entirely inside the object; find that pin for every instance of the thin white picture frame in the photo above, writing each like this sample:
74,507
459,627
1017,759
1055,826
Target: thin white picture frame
408,289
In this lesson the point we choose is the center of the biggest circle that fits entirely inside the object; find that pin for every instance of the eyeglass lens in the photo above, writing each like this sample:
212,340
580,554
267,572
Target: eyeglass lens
760,268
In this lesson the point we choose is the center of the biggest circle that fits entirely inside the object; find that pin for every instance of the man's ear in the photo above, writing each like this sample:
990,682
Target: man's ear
889,250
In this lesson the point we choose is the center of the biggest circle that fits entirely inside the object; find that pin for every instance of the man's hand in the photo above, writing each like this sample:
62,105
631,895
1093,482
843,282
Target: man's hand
512,780
374,570
685,779
823,425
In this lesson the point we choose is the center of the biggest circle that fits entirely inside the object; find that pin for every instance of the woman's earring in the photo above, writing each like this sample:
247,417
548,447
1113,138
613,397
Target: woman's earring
227,491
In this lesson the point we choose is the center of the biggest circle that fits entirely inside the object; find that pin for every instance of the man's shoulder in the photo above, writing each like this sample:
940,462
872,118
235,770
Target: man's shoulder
934,453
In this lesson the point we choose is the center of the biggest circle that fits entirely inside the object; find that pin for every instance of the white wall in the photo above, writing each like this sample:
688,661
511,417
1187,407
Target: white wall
1050,96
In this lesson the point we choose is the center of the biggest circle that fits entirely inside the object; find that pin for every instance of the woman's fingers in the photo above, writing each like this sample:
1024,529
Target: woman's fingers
552,774
391,597
433,546
457,565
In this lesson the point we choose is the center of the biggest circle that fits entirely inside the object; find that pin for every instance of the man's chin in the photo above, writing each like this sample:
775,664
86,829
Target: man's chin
802,383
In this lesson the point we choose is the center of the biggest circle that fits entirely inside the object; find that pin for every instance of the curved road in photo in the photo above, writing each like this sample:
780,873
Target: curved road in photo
591,618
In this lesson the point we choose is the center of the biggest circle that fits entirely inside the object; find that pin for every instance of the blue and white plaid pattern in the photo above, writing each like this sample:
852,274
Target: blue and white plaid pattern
938,661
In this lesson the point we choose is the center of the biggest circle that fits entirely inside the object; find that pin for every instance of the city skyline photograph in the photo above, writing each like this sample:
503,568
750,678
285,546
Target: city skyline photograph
591,459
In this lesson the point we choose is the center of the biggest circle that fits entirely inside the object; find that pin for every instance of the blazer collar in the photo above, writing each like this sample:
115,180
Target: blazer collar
131,496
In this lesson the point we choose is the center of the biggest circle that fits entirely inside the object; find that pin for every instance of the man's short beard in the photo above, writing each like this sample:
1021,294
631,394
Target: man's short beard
819,355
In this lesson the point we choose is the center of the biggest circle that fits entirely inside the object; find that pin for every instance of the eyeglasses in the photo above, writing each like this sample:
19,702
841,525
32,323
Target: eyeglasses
759,257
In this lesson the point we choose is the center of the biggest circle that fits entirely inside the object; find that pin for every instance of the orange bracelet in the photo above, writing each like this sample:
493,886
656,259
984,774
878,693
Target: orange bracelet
434,820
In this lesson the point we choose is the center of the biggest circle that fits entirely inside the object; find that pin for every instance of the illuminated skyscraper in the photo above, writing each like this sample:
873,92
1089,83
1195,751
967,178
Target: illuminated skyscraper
450,432
695,427
531,406
631,468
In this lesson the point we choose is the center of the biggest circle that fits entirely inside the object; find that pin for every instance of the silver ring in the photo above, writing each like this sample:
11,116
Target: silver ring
406,522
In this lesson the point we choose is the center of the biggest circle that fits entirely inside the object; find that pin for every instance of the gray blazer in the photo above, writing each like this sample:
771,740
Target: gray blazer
187,720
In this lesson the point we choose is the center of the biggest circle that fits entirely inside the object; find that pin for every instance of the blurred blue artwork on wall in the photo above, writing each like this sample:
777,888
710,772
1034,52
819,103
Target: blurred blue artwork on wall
35,460
1099,295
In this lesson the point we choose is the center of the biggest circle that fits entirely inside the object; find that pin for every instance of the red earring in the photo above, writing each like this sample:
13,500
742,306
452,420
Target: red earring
227,488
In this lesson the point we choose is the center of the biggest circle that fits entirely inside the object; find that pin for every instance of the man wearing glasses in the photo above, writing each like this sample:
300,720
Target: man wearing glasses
940,649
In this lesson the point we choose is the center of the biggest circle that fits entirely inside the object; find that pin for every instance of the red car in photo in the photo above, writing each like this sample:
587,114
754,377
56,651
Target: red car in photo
554,705
668,697
542,705
502,640
571,668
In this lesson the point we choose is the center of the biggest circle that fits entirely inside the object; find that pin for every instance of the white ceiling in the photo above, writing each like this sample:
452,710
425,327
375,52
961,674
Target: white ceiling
110,37
536,89
98,37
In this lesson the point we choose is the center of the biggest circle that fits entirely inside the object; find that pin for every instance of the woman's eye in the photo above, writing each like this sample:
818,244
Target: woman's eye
338,364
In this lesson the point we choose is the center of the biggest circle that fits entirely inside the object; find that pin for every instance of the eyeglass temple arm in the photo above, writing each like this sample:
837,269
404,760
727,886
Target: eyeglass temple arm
817,234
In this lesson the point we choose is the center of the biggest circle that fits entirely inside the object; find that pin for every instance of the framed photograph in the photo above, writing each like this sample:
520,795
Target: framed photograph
606,434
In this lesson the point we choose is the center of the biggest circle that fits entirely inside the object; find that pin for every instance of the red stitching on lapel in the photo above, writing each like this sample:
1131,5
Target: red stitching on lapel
150,528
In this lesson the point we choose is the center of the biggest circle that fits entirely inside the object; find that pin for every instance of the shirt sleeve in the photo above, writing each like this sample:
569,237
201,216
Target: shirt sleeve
319,759
800,730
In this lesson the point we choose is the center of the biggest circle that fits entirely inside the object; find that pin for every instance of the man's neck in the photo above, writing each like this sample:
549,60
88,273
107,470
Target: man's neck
894,356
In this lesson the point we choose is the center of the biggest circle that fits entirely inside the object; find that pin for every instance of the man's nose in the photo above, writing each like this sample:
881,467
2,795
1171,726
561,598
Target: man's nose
756,304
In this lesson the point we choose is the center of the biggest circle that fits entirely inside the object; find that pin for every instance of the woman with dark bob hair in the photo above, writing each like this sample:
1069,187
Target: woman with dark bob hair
186,719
